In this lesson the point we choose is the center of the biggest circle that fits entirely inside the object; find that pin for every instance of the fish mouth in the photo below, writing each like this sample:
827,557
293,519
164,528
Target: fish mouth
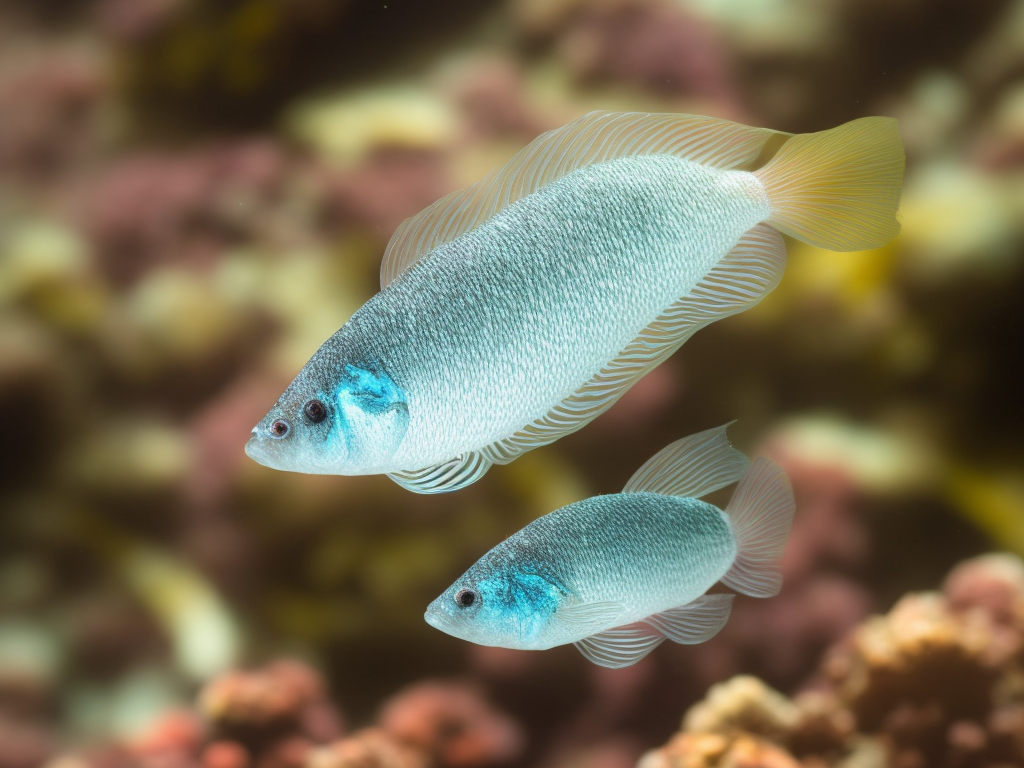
431,617
256,449
434,618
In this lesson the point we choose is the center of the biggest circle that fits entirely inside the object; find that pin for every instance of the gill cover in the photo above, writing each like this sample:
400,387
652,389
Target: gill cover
373,416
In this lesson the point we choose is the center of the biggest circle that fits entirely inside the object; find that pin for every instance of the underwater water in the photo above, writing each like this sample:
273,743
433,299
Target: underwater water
195,195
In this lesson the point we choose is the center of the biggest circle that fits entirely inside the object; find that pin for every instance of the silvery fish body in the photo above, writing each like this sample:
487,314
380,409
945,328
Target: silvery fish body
507,320
618,574
642,551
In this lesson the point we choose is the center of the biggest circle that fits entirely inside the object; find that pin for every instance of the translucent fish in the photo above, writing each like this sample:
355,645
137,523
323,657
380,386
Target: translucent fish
617,575
515,311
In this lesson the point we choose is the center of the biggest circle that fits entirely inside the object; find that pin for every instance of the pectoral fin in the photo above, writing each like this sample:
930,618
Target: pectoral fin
620,647
602,614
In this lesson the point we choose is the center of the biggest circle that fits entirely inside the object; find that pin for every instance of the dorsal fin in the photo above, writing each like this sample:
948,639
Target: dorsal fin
594,138
737,282
694,466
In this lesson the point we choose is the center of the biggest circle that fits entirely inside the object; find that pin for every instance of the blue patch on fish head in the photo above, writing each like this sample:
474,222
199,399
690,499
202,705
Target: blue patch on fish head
348,426
373,416
506,608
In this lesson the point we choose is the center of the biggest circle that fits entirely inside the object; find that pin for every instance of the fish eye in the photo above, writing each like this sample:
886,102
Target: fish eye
279,429
315,411
464,598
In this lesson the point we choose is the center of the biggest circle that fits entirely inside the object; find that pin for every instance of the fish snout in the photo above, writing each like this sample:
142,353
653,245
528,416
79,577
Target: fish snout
437,617
256,448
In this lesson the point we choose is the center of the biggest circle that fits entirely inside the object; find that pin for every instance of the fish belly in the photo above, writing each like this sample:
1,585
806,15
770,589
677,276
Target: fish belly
490,331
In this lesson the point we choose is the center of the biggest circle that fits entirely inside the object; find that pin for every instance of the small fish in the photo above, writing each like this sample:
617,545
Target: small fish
616,575
516,311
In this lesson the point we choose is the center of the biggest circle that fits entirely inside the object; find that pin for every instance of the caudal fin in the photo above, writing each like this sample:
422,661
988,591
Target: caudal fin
760,511
838,189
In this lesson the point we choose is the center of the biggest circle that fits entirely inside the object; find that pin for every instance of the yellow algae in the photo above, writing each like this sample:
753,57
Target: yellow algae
845,279
879,460
311,292
994,502
956,217
47,265
131,455
204,635
345,128
935,110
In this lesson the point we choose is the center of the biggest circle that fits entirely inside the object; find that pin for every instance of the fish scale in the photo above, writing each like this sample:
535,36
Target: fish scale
644,550
545,334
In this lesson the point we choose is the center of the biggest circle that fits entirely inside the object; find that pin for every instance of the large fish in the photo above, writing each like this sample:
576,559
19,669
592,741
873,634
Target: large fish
618,574
516,311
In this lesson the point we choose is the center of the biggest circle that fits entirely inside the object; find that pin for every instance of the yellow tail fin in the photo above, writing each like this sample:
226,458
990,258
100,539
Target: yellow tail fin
838,189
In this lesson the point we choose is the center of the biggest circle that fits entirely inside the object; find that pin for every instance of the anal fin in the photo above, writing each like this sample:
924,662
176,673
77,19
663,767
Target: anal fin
739,281
688,624
465,469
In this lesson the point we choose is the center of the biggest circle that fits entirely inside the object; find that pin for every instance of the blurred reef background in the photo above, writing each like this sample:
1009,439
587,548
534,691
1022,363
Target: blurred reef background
194,194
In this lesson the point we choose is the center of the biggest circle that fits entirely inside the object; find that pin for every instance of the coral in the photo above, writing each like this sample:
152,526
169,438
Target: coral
280,716
743,703
368,748
390,185
224,754
50,106
936,681
23,745
453,724
183,207
283,696
661,46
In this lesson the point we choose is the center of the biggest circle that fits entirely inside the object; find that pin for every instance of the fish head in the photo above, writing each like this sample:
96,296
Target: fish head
505,608
351,423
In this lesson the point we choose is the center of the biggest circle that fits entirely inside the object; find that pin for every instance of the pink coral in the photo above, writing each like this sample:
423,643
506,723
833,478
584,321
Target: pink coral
453,723
369,748
225,754
185,206
282,697
49,107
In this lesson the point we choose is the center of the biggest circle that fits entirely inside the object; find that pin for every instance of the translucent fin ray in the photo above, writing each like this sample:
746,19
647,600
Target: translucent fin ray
596,137
688,624
620,647
694,622
465,469
694,466
761,513
838,189
740,280
600,614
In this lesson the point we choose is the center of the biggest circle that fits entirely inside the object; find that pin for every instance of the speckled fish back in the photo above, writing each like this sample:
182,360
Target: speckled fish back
643,550
532,303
